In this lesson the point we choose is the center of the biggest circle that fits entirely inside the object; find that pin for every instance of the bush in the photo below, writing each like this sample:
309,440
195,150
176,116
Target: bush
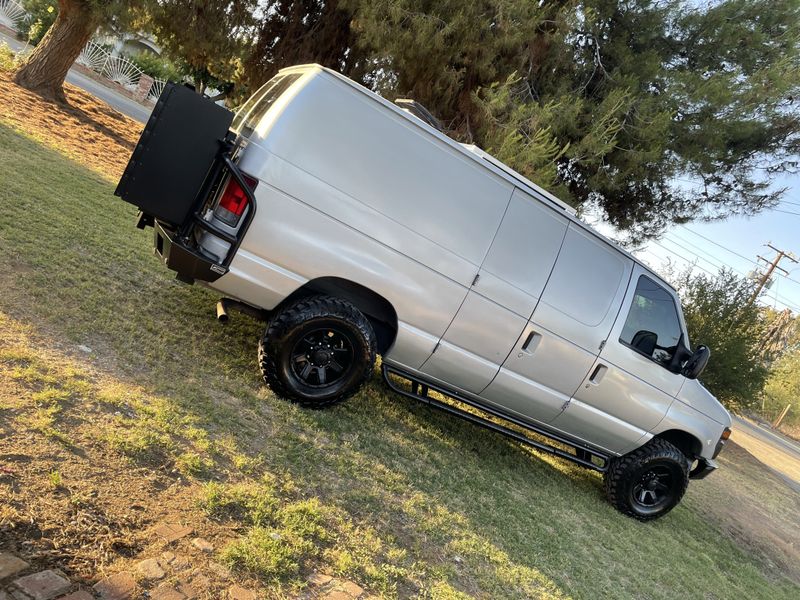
156,66
719,315
41,15
6,58
783,388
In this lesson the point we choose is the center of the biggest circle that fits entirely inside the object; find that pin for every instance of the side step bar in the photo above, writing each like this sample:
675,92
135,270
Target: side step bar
420,391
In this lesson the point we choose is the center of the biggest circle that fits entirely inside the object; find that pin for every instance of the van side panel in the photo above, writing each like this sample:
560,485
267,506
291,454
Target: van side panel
538,380
291,242
386,161
503,296
522,254
685,418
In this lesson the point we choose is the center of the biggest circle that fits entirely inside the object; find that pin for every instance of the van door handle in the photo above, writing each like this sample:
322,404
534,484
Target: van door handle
597,375
530,344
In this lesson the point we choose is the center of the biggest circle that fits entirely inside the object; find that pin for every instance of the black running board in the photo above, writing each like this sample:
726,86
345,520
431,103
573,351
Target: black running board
420,391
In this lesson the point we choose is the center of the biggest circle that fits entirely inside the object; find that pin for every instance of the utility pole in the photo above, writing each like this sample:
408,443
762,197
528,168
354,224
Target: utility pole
775,264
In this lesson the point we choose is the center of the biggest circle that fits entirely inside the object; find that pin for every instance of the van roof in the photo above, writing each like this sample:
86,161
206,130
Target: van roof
483,158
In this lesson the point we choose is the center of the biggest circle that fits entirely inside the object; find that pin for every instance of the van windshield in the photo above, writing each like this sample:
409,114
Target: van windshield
250,115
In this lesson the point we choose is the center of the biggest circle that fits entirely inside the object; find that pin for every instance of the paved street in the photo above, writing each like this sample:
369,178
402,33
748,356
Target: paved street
123,104
765,435
780,454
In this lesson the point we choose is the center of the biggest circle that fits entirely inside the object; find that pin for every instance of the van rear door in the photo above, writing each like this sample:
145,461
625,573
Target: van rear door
175,153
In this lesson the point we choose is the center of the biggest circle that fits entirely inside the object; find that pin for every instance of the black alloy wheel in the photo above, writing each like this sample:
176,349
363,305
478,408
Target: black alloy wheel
317,351
655,489
648,482
322,357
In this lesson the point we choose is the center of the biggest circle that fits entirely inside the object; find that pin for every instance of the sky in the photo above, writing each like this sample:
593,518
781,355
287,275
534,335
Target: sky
735,242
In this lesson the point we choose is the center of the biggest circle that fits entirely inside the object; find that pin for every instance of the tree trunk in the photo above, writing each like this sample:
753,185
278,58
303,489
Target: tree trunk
47,66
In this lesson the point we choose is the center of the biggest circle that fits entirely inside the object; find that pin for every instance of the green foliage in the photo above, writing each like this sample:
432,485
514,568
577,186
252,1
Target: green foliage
157,66
41,15
207,38
719,315
291,32
607,103
7,58
783,388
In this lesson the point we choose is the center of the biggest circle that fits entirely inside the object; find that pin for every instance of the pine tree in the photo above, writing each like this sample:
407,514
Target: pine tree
292,32
648,112
208,38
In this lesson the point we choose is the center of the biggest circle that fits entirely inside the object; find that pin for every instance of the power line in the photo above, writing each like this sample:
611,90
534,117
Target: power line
720,263
727,250
772,266
691,262
787,212
750,260
702,268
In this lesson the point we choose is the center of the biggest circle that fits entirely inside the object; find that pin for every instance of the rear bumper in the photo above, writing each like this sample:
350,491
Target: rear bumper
188,263
704,468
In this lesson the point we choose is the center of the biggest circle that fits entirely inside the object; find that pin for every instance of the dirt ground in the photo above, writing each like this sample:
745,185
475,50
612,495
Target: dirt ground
89,131
75,505
755,506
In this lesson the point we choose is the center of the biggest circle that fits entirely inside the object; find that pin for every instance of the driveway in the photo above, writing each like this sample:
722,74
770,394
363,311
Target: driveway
114,99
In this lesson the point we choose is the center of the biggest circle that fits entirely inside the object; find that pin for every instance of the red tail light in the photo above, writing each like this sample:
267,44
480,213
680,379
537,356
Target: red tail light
233,202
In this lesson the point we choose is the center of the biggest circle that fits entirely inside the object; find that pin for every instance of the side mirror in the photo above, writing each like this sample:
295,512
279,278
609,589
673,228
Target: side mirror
697,363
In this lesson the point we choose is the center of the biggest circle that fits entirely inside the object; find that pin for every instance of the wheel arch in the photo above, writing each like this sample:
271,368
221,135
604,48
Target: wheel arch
684,441
377,309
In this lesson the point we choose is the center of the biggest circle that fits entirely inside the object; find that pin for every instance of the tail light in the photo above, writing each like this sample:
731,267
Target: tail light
233,202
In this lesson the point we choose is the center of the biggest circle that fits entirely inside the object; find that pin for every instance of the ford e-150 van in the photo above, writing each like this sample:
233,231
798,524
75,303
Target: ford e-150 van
356,228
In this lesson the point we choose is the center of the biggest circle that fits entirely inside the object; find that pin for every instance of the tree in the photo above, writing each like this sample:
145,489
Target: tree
608,103
783,388
718,315
292,32
40,15
208,38
46,68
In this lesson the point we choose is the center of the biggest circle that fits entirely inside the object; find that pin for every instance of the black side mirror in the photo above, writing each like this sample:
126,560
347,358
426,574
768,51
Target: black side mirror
697,363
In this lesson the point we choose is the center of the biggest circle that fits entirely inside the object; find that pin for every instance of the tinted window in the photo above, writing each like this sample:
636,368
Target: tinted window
652,327
250,115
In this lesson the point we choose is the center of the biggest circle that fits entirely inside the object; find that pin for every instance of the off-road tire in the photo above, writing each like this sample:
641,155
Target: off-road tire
288,327
627,471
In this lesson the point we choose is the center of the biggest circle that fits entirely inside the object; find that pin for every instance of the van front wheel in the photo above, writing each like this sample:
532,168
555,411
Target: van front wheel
317,351
648,482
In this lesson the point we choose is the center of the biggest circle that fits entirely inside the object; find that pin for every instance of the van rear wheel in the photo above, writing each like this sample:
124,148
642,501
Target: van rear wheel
317,351
649,482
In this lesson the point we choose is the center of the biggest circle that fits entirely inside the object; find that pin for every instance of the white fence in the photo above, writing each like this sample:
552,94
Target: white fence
95,57
11,13
118,69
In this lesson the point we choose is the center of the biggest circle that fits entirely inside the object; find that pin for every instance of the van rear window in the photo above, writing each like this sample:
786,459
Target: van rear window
250,115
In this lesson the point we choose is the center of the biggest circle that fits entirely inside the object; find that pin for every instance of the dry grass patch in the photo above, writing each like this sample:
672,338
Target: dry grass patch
90,132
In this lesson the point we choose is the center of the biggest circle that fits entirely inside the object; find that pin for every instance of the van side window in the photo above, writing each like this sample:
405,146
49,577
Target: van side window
652,327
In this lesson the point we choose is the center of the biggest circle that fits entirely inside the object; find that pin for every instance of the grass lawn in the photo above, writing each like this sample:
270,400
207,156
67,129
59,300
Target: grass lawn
121,377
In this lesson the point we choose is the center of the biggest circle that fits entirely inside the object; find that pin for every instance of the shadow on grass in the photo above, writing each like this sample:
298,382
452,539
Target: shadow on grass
445,508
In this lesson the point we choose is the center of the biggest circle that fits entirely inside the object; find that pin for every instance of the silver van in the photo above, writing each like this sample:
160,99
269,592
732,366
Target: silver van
356,228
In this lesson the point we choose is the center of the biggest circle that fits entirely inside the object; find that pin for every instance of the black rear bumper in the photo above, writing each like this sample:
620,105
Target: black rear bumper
179,257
